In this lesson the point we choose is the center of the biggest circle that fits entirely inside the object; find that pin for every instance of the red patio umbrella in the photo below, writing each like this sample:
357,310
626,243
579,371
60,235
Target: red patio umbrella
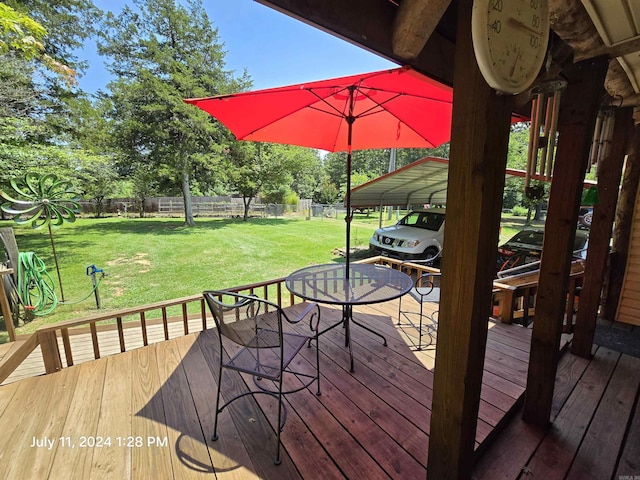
397,108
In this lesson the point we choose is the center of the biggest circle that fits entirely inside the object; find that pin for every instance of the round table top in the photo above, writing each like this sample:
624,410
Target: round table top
367,283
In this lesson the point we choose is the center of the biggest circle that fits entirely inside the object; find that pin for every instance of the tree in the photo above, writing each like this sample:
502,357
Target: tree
252,168
327,192
98,178
518,146
144,185
36,133
162,52
308,174
24,36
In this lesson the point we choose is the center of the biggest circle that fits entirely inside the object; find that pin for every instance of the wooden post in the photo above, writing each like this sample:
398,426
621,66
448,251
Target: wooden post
578,112
50,351
623,221
480,135
609,173
4,305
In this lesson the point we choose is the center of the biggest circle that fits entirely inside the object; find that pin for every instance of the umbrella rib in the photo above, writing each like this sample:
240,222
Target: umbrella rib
335,114
372,110
338,113
397,94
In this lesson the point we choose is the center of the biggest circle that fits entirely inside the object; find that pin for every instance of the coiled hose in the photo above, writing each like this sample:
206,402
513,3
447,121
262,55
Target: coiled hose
35,285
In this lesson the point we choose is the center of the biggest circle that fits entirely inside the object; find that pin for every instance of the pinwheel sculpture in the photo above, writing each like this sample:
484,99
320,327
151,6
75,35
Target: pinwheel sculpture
43,200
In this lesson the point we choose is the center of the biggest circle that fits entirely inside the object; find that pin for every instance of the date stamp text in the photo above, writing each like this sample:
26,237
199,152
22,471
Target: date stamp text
88,441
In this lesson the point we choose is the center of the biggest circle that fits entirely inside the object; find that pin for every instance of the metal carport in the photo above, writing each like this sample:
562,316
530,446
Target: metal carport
421,182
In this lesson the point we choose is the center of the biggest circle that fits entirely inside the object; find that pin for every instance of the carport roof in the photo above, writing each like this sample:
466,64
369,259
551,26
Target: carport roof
421,182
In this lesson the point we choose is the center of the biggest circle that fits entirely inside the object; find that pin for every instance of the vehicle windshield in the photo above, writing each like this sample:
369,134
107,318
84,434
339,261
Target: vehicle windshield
427,220
528,237
532,237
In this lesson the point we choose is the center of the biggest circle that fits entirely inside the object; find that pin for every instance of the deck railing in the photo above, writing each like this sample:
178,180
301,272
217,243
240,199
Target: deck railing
513,299
143,317
147,315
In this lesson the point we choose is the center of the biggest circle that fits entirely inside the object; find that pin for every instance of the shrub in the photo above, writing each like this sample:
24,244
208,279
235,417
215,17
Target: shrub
291,198
518,211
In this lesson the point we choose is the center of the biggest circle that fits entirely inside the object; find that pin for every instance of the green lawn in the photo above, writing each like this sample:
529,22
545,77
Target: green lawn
154,259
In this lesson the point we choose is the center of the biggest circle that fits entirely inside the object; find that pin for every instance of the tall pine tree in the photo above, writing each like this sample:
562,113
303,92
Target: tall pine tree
160,53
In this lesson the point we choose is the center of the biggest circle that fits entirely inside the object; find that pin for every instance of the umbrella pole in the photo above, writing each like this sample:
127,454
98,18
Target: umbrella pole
350,119
349,216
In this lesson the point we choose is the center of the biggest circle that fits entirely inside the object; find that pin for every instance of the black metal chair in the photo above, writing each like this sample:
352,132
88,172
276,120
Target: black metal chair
426,289
256,325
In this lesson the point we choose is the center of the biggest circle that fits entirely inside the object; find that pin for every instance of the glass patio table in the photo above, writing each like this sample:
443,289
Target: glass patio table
367,284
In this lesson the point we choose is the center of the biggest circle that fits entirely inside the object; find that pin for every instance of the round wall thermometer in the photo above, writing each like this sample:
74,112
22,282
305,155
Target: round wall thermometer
510,39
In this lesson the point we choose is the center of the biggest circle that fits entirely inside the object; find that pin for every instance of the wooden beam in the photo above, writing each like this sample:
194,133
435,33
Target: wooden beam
609,173
571,22
627,47
578,111
618,85
480,133
415,21
370,25
623,224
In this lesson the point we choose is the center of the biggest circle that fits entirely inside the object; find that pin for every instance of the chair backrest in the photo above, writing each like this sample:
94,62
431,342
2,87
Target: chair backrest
427,286
243,319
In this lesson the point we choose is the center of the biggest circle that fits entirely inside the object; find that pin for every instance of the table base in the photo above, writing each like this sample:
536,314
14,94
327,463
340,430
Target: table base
347,319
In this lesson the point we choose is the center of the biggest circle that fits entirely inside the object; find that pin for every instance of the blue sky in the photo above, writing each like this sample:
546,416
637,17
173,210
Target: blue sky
274,48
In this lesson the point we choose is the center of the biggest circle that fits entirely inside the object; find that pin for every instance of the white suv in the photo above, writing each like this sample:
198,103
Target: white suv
418,235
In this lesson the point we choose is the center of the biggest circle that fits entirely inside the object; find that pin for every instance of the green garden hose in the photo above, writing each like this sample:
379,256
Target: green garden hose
35,285
36,288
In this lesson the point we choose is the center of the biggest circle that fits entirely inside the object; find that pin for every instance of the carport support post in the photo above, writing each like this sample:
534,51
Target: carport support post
609,173
578,112
479,140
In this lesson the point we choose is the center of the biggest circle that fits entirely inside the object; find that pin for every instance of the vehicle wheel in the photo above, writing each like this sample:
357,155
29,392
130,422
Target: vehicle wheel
429,253
587,219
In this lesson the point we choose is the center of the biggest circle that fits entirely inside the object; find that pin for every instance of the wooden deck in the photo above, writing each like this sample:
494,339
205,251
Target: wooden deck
154,405
596,426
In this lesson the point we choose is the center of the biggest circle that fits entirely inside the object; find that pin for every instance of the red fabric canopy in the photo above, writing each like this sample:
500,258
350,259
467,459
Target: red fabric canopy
398,108
392,108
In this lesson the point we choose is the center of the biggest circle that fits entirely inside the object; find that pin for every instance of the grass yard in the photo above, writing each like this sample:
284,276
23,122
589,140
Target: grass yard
154,259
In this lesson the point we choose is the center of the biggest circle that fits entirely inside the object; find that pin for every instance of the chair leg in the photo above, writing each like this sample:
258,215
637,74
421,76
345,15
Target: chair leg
318,364
278,460
214,437
420,329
